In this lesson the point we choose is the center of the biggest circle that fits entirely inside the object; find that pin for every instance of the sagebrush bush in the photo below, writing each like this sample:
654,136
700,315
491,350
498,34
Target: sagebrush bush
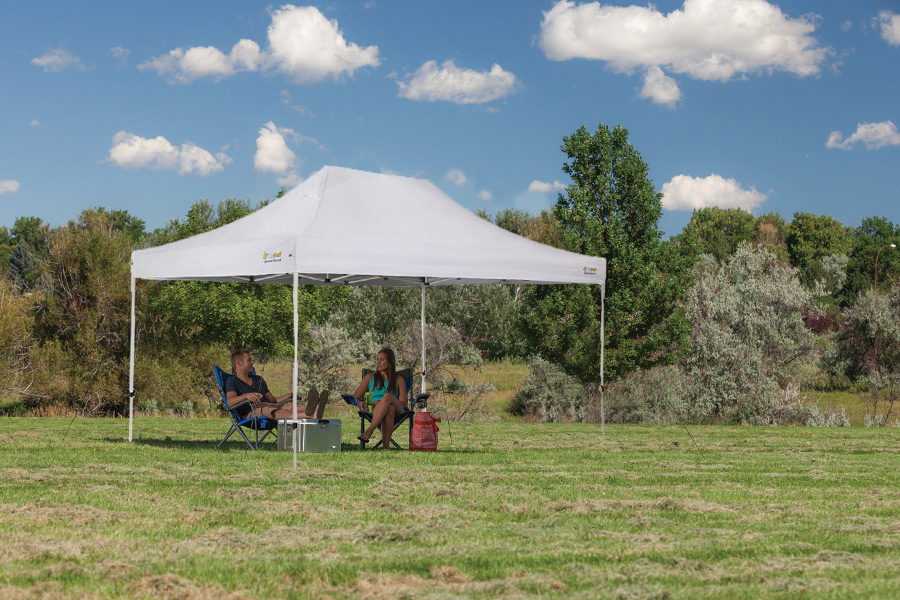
322,363
871,420
880,389
748,337
829,418
444,346
868,341
550,395
658,396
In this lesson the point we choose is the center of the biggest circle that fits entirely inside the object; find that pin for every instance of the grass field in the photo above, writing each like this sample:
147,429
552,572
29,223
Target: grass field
503,510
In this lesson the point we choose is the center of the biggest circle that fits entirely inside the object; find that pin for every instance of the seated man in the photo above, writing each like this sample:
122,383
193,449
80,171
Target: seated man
244,386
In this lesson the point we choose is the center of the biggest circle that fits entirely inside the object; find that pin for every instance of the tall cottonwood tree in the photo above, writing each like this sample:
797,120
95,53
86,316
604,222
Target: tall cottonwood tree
720,230
611,209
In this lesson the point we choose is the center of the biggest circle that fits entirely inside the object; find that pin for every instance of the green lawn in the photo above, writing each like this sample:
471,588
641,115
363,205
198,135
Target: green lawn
502,510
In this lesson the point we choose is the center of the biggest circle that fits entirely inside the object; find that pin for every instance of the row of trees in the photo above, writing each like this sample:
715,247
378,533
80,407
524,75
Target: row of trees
725,313
840,259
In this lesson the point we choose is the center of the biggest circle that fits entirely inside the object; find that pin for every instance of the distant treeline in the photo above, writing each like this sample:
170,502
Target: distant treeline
714,324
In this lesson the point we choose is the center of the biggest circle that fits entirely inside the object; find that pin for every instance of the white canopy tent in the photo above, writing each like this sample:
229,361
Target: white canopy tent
347,227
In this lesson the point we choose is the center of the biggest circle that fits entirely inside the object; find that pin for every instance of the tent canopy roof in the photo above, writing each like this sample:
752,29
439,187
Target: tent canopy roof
347,227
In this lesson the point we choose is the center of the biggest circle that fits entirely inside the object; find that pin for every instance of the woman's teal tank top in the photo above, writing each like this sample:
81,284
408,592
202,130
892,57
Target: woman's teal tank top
377,394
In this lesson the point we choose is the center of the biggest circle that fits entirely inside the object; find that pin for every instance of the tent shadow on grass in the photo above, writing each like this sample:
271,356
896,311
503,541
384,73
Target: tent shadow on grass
169,443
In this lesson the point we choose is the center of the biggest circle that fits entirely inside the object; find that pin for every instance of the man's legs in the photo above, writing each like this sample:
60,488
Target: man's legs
314,408
312,401
315,403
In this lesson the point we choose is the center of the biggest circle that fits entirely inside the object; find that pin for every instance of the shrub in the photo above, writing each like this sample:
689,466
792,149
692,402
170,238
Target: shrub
550,395
659,396
829,418
16,323
748,337
871,420
881,389
168,380
82,318
322,363
869,340
444,346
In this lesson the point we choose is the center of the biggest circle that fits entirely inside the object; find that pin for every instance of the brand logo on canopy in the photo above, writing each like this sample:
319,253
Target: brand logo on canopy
271,257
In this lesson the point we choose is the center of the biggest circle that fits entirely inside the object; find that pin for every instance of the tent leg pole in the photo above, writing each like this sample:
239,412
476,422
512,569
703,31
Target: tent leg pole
423,336
131,370
295,430
602,348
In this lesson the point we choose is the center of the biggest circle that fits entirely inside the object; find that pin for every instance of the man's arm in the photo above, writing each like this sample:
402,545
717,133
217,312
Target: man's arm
233,397
270,397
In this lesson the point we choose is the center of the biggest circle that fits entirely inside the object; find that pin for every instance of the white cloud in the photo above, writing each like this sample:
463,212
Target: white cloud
302,110
684,192
130,151
303,45
890,27
119,52
457,177
714,40
308,47
272,152
660,88
290,179
57,60
873,135
184,66
35,123
546,188
485,195
846,25
9,186
463,86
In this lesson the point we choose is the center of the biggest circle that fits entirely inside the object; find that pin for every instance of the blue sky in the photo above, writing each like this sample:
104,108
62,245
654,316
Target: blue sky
149,107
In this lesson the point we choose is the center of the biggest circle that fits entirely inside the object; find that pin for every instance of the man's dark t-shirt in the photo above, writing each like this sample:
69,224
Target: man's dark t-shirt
234,384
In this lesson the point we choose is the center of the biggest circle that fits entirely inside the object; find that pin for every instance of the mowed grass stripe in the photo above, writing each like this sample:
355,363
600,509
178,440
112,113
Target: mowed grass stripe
505,510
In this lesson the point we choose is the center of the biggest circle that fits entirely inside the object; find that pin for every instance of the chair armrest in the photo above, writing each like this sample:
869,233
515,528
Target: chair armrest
350,399
241,403
253,414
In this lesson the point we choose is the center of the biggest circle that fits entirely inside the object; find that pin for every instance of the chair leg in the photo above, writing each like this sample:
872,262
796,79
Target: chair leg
274,438
246,439
228,435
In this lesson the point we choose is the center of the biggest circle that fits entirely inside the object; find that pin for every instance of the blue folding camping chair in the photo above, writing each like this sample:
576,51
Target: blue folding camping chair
241,420
408,413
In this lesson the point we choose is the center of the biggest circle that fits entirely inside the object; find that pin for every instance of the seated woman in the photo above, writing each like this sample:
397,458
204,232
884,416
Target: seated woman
388,394
244,386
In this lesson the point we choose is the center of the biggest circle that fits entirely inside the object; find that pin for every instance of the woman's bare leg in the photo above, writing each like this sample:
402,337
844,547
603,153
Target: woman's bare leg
381,409
387,427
